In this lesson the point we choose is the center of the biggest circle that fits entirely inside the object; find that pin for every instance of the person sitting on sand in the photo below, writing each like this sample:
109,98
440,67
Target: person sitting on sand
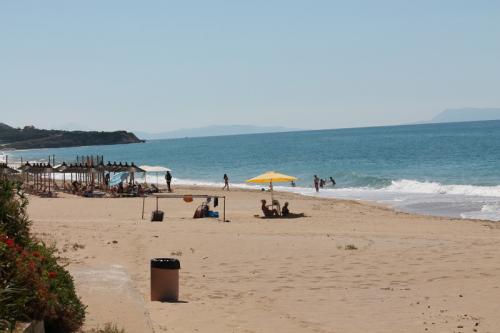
285,211
76,187
140,190
267,211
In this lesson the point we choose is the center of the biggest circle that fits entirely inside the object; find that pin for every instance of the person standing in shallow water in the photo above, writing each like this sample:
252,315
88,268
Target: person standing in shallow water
168,178
316,183
226,182
333,181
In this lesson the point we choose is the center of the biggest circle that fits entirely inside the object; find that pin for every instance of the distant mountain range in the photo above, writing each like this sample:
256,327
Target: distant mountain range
466,114
217,130
30,137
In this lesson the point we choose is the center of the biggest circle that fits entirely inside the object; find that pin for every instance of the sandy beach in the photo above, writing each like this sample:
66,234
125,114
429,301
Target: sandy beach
346,267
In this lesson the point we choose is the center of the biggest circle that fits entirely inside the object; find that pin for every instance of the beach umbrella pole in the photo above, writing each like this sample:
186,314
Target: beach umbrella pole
272,194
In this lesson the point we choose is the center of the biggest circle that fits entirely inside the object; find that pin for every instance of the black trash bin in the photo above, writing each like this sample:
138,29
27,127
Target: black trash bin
157,216
165,279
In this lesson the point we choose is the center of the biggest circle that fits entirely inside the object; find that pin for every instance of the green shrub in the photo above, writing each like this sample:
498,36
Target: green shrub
34,285
14,221
8,298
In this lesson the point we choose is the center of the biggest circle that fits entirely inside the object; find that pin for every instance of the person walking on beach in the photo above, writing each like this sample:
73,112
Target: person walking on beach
316,183
168,178
226,182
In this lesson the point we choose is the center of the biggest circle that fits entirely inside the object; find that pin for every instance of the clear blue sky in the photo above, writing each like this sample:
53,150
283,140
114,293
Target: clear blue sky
162,65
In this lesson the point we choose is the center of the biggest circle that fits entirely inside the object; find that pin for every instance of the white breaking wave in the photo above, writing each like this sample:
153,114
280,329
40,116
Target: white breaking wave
398,186
488,212
413,186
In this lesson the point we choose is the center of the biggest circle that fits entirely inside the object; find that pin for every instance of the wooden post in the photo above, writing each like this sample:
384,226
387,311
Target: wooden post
224,214
143,202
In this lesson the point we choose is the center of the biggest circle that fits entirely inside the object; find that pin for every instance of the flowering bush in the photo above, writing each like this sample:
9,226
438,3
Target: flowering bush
33,285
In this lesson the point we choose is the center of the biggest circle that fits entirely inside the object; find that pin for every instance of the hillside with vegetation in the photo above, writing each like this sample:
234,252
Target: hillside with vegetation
30,137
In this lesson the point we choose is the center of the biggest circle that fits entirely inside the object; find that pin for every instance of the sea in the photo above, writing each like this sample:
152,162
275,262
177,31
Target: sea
450,169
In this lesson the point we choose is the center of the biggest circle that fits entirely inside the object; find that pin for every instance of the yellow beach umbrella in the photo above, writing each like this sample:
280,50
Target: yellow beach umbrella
271,177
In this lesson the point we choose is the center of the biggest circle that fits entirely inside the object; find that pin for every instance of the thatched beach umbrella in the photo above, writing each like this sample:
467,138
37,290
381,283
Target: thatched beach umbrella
100,169
131,169
62,169
71,169
25,169
114,167
5,170
80,172
121,167
134,168
109,167
49,170
36,169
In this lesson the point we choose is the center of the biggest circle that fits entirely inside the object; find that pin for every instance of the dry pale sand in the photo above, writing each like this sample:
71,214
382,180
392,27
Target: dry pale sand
408,273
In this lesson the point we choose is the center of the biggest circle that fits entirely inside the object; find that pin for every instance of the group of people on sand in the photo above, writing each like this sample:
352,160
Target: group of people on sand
320,182
121,189
275,210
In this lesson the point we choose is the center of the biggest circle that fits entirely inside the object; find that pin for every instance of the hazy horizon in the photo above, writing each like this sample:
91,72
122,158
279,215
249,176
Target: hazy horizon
168,65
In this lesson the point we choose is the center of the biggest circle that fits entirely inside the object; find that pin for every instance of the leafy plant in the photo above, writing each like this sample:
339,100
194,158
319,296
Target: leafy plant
14,221
33,285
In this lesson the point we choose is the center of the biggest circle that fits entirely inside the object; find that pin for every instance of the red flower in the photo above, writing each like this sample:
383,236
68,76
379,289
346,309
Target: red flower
10,243
52,275
36,254
32,265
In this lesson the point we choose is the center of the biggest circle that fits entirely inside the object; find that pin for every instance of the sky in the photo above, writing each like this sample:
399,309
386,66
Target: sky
163,65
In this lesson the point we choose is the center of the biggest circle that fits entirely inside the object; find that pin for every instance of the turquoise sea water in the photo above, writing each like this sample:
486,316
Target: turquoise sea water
440,169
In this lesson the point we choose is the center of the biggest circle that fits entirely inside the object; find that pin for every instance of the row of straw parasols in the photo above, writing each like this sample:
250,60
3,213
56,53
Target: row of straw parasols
43,173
